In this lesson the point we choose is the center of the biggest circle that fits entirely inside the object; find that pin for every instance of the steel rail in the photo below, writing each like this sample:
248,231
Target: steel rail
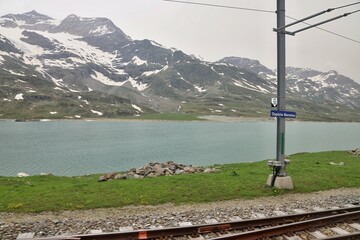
292,227
195,230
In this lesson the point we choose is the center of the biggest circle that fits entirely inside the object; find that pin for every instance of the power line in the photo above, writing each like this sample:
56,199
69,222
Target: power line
318,14
348,5
354,11
268,11
328,31
221,6
319,23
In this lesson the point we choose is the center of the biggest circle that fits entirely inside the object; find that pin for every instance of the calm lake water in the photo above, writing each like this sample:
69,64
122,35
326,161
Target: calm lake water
72,148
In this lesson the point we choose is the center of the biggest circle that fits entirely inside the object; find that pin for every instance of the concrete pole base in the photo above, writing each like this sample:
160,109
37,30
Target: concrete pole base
281,182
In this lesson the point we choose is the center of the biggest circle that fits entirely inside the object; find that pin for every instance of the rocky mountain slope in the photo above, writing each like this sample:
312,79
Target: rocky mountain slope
88,67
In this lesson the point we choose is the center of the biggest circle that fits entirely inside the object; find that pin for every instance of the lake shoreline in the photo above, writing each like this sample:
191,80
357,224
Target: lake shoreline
210,118
200,118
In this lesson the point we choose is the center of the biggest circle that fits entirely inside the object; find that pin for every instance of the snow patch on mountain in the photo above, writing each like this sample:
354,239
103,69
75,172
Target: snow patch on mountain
97,112
15,73
212,68
137,108
81,48
68,42
149,73
247,85
267,76
156,44
19,96
161,46
31,60
101,30
139,86
137,61
200,89
322,79
59,63
105,80
15,35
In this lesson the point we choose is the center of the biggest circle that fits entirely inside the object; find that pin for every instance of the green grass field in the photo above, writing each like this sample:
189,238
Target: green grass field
309,172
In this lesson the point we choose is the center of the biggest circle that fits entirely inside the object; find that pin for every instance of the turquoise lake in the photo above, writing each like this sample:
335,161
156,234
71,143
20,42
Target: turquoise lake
71,148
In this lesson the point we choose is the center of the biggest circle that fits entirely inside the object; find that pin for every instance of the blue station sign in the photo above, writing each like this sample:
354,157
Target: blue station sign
282,114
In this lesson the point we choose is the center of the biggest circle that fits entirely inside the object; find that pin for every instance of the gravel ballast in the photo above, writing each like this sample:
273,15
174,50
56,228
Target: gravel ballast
143,217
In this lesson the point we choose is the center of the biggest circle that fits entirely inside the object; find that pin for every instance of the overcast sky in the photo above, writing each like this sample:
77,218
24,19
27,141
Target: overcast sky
214,33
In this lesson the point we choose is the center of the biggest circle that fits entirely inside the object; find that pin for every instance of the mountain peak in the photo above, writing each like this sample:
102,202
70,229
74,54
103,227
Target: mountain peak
93,30
302,72
81,26
333,72
249,64
32,17
71,16
35,13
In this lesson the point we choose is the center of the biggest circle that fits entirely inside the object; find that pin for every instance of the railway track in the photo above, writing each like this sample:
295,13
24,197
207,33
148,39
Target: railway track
339,223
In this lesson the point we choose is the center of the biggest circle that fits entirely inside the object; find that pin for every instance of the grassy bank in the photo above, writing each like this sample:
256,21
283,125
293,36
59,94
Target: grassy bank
309,171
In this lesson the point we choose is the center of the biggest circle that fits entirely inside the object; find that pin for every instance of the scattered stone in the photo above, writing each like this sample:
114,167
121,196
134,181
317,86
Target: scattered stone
179,171
45,174
120,176
107,177
22,174
157,169
126,229
185,224
280,213
211,221
355,151
136,176
299,211
25,235
337,164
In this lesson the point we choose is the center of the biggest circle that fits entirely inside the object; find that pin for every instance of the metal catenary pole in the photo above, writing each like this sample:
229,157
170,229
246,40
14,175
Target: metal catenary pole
281,75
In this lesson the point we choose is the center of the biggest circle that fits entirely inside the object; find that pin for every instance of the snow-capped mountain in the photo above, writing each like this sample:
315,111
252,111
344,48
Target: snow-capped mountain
53,68
308,83
328,86
251,65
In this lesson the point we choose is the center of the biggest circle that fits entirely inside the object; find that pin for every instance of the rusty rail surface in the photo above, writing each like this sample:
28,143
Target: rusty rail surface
292,227
265,227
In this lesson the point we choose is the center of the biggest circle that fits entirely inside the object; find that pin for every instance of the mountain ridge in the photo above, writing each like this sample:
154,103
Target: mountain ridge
79,56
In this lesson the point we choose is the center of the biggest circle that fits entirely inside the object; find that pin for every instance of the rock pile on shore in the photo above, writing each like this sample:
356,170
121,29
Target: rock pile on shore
355,151
156,170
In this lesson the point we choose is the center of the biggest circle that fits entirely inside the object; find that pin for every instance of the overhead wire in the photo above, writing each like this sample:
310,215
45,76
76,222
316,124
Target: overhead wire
269,11
317,24
354,11
347,5
328,31
221,6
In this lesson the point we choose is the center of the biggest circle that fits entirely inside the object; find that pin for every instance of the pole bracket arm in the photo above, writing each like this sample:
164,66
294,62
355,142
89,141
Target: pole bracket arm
279,30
